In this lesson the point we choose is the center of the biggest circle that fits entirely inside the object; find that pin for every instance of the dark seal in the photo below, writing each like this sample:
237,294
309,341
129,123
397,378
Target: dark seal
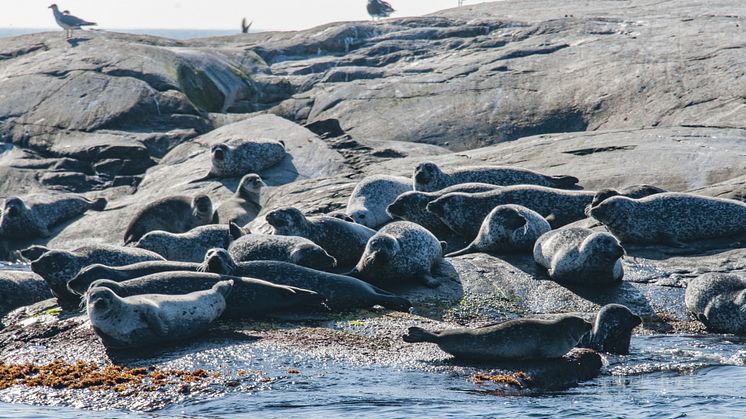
173,214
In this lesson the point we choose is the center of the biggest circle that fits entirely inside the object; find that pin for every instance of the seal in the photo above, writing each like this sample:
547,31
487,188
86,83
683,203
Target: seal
343,240
463,212
612,330
342,293
368,202
400,252
428,177
192,245
237,157
410,206
580,255
718,300
19,289
293,249
88,275
57,267
173,214
148,320
520,339
35,215
670,218
634,192
250,298
244,205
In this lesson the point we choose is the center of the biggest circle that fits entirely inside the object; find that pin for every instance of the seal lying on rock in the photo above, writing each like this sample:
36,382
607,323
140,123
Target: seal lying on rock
238,157
173,214
612,330
507,228
250,298
368,202
57,267
410,206
343,240
244,205
92,273
718,300
580,255
150,319
520,339
634,192
192,245
35,215
293,249
670,218
399,252
428,177
342,292
20,288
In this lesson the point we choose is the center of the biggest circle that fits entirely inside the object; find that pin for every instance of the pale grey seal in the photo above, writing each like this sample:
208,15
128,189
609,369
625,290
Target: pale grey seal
192,245
507,228
612,330
35,215
368,202
520,339
150,319
237,157
173,214
244,205
293,249
428,177
580,255
21,288
718,300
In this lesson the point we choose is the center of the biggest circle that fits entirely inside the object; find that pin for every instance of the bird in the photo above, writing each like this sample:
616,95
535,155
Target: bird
68,22
379,9
244,27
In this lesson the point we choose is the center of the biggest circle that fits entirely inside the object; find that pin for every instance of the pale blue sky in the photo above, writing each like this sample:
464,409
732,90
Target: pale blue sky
205,14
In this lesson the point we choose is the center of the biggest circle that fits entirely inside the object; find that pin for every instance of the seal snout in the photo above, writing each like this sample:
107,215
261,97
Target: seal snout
218,152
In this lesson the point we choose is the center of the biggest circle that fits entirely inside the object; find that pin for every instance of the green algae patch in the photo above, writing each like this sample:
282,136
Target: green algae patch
200,89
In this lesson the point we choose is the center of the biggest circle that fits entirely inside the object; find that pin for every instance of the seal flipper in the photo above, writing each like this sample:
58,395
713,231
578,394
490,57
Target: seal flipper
565,182
429,281
99,204
418,334
153,317
465,251
393,302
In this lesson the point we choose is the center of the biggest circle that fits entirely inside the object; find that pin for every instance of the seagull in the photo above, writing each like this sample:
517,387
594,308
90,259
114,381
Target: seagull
244,27
67,21
379,9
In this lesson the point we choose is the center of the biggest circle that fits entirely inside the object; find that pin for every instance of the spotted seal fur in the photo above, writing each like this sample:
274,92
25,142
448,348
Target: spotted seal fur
92,273
237,157
192,245
244,205
292,249
368,202
35,215
173,214
612,330
718,300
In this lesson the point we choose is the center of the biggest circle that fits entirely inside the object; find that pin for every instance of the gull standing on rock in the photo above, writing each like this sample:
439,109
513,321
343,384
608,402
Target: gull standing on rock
379,9
68,22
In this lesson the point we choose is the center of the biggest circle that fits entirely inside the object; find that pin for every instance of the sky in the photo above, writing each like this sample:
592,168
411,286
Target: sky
205,14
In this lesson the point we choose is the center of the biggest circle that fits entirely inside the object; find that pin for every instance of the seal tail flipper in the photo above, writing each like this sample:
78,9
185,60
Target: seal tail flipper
465,251
418,334
565,182
395,303
99,204
309,300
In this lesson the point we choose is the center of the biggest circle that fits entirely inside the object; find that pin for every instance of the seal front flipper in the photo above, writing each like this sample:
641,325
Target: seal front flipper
429,281
152,315
418,334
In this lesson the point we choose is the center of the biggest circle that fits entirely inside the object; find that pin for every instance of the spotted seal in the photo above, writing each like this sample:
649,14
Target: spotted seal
150,319
343,240
428,177
244,205
520,339
192,245
670,218
173,214
718,300
21,288
580,255
88,275
507,228
399,252
634,192
35,215
57,267
293,249
250,298
368,202
410,206
463,212
612,330
342,292
237,157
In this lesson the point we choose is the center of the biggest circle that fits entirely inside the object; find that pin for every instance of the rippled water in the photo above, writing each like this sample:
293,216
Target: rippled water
665,376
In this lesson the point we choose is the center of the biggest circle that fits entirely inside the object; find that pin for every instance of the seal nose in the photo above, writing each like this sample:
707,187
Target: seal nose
218,153
422,177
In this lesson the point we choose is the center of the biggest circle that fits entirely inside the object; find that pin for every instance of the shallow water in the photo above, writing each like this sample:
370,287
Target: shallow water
665,376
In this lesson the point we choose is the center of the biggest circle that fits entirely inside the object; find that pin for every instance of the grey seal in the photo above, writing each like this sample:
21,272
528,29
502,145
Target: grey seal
88,275
670,218
244,205
151,319
612,330
634,192
463,212
507,228
21,288
35,215
580,255
400,252
250,298
173,214
410,206
428,177
342,292
192,245
293,249
718,300
57,267
368,202
520,339
343,240
237,157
